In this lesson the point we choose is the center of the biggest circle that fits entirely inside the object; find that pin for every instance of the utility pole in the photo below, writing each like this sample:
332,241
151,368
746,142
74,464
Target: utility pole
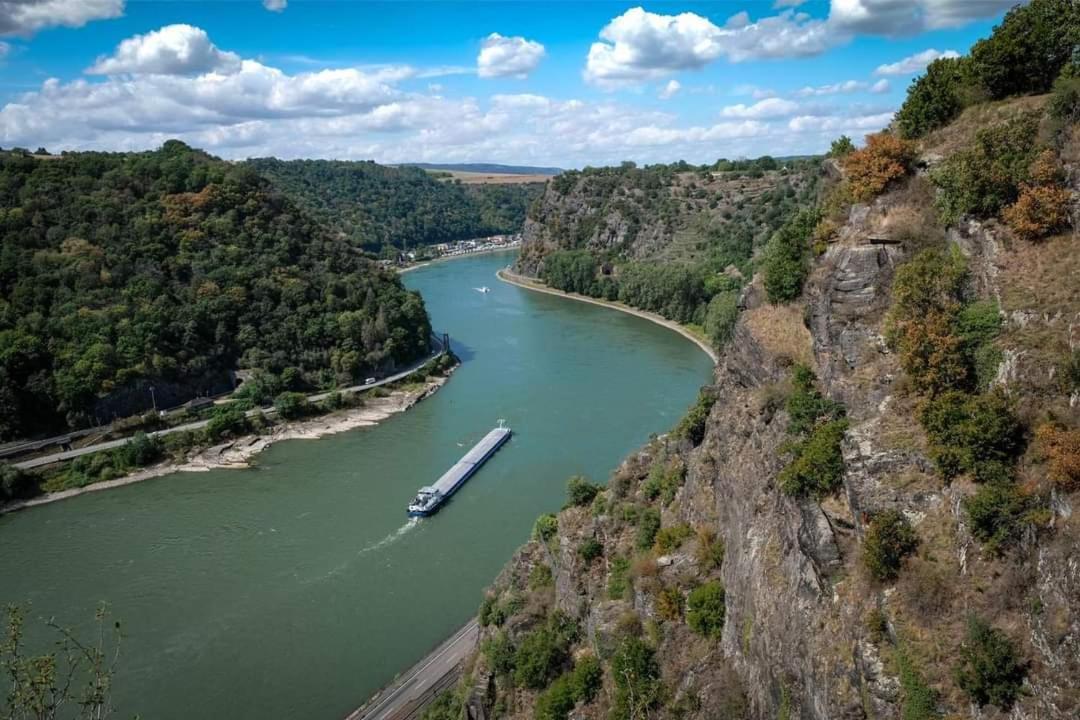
153,399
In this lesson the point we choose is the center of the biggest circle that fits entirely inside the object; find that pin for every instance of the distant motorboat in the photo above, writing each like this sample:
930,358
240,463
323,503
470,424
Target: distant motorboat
484,289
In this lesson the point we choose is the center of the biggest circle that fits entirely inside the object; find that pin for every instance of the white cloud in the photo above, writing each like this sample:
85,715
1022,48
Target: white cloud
787,3
172,50
844,88
25,17
640,45
908,17
914,63
508,56
839,123
5,49
275,5
670,90
768,108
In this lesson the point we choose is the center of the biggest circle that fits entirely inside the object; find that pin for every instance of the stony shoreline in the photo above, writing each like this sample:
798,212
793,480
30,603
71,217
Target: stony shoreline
238,453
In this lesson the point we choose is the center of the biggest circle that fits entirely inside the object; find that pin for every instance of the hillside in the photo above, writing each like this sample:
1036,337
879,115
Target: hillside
673,239
488,168
377,206
870,511
129,279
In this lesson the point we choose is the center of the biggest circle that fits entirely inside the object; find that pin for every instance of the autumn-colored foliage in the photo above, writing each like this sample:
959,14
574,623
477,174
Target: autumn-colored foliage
1043,205
1062,450
885,158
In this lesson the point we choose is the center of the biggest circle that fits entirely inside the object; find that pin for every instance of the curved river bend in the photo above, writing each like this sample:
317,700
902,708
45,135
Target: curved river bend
296,589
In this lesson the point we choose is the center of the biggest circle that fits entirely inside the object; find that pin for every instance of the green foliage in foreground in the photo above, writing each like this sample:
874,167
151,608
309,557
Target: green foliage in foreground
977,434
638,688
990,669
692,426
936,97
579,685
580,491
787,257
542,653
545,527
705,609
889,539
818,464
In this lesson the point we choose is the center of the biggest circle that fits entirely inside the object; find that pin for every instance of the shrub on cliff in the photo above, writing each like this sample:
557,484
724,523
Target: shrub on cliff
1062,450
541,653
580,491
578,685
998,513
720,318
990,670
977,434
818,464
889,540
883,160
692,425
841,147
786,265
636,674
806,406
545,527
648,524
1043,205
705,609
986,177
936,97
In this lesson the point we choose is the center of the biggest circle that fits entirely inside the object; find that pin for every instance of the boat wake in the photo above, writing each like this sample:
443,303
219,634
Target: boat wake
392,537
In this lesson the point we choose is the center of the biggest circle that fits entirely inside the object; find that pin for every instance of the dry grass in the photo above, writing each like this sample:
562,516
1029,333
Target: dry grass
780,330
958,134
475,178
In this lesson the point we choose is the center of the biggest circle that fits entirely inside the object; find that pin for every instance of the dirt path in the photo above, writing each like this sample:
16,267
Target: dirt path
529,284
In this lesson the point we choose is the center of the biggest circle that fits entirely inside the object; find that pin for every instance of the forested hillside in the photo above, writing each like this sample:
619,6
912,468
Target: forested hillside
169,269
870,513
377,206
675,239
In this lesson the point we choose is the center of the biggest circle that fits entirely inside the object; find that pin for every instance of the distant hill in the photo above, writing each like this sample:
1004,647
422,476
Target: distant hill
488,168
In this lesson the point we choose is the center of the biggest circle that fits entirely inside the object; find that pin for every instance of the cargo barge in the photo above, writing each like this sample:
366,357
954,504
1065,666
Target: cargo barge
430,498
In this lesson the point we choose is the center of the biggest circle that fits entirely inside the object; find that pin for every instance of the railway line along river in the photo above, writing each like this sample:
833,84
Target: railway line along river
297,588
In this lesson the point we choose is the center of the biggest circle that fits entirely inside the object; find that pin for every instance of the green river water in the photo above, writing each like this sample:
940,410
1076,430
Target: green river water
297,588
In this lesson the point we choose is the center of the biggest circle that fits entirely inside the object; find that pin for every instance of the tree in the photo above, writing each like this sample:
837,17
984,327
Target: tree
935,98
580,491
1027,50
990,670
76,677
720,318
883,160
840,147
786,265
705,609
291,405
889,539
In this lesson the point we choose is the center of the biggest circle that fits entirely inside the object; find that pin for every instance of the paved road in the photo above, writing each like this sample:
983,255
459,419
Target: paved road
410,693
110,444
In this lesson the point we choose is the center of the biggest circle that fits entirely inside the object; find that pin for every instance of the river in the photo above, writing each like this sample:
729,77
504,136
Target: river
297,588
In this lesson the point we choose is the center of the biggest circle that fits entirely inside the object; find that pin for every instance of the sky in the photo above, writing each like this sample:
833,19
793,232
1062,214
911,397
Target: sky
563,84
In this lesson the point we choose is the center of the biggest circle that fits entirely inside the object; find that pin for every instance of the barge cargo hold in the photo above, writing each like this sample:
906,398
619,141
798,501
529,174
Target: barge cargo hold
430,498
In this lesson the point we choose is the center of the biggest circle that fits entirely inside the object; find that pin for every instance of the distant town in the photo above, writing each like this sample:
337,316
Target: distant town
427,253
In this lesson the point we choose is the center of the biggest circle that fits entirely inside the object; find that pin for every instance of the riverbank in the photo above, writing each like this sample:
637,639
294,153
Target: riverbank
459,256
238,453
521,281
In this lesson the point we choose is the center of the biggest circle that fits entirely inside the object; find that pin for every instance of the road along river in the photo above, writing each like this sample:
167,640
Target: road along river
297,588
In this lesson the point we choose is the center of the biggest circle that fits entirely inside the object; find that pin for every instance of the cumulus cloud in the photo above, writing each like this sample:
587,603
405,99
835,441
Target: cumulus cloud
172,50
502,56
275,5
847,87
914,63
25,17
768,108
640,45
908,17
670,90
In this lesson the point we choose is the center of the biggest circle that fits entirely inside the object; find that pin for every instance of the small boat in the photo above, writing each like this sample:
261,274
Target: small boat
484,289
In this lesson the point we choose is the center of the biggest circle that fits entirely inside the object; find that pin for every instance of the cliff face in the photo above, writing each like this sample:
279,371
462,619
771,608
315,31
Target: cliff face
806,631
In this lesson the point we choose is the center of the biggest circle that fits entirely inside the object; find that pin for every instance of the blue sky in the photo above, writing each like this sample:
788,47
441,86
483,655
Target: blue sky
562,83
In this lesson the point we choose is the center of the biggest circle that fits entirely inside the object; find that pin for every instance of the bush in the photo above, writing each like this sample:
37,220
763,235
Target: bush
141,450
670,538
580,491
990,671
665,479
542,653
227,420
1062,450
570,271
1043,205
447,706
706,608
998,513
648,525
785,266
545,528
936,97
291,405
885,159
692,426
500,653
978,325
637,680
889,540
818,464
1065,101
578,685
806,406
16,484
540,577
710,550
618,578
978,434
720,318
986,177
918,700
669,603
1028,49
590,550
